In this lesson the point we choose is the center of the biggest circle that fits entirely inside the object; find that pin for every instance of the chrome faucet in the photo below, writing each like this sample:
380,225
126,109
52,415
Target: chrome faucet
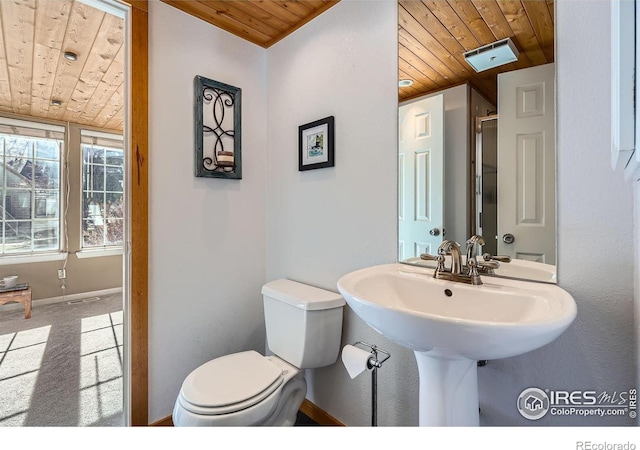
488,262
473,266
470,271
473,245
452,248
458,272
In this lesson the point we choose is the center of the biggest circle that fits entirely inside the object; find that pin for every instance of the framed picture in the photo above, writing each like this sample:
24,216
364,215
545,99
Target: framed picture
217,129
315,144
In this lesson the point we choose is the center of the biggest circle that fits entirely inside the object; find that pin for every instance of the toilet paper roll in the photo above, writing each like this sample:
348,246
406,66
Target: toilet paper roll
355,360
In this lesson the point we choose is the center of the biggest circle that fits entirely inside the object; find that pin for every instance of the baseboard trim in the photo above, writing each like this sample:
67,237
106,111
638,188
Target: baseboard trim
64,298
318,415
310,410
166,422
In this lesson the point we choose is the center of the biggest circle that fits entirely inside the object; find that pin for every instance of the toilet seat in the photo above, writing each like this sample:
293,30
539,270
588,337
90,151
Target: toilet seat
230,383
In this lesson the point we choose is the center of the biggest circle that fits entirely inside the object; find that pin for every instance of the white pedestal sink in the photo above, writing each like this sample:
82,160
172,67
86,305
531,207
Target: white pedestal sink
450,326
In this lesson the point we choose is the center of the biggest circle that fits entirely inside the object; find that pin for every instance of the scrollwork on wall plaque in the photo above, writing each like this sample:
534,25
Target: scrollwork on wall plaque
217,129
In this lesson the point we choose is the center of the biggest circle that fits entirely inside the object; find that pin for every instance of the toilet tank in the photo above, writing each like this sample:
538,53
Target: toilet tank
303,323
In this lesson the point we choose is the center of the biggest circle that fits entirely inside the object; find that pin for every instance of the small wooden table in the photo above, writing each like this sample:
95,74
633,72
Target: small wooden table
20,296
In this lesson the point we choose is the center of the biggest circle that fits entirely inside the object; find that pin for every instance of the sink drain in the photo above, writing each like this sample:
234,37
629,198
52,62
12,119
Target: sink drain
448,292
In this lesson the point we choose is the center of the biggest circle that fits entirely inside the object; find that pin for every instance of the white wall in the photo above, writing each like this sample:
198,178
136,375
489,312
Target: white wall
322,224
595,239
206,236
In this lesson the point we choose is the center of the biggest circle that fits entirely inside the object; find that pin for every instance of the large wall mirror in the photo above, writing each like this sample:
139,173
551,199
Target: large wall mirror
477,132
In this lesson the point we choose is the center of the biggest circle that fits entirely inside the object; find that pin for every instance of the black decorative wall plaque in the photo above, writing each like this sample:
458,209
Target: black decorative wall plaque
217,129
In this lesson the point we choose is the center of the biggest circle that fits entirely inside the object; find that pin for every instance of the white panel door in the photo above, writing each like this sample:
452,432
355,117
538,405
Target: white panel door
421,181
526,164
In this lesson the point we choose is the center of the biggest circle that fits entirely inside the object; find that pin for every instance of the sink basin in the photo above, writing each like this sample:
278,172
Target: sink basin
497,319
451,325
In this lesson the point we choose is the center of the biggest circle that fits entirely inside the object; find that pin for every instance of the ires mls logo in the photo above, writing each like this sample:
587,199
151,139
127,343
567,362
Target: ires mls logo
535,403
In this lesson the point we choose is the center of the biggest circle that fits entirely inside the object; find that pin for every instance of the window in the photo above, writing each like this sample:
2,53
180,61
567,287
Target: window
102,190
30,187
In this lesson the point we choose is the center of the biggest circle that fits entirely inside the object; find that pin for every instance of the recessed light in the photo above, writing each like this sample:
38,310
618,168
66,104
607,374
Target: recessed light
70,56
405,83
55,102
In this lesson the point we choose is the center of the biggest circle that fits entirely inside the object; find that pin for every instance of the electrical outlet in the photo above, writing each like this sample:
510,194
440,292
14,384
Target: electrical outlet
62,274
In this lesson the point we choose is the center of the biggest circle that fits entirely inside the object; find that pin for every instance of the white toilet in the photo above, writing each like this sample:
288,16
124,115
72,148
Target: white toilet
304,329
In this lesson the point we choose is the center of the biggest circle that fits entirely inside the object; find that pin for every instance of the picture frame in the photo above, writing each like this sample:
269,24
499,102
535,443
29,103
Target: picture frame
316,144
217,110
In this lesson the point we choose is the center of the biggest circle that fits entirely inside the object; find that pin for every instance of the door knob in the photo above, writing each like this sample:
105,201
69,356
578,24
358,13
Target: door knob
434,232
508,238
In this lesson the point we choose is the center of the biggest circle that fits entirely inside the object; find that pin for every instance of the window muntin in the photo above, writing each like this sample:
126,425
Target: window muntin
102,193
30,197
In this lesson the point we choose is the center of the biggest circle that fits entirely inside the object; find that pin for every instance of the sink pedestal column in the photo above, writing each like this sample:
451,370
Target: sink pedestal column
448,389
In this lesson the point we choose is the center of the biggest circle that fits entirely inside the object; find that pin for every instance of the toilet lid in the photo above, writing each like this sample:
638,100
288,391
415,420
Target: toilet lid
231,379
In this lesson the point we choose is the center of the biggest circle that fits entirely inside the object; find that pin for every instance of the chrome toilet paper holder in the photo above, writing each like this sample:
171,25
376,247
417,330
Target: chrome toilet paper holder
374,364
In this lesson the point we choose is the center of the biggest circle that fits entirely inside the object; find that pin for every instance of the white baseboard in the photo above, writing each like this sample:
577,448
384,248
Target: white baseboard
63,298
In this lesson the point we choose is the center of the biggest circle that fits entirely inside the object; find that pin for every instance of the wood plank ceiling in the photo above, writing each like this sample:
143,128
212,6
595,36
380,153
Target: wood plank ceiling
35,75
263,22
433,36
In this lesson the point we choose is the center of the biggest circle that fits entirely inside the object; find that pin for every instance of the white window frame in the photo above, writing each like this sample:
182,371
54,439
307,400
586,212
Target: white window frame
104,250
53,254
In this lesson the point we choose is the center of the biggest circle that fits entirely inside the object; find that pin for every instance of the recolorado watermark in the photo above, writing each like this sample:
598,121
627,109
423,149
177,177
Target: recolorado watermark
535,403
589,445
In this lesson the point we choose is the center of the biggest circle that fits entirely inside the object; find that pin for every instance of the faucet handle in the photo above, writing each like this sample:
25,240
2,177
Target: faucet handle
473,274
472,264
488,267
489,264
500,258
428,257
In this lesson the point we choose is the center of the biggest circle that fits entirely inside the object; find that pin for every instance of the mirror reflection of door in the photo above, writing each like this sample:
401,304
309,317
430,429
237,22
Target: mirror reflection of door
487,182
421,180
526,164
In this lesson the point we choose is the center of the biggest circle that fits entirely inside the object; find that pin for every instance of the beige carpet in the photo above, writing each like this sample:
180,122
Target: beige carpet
62,367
